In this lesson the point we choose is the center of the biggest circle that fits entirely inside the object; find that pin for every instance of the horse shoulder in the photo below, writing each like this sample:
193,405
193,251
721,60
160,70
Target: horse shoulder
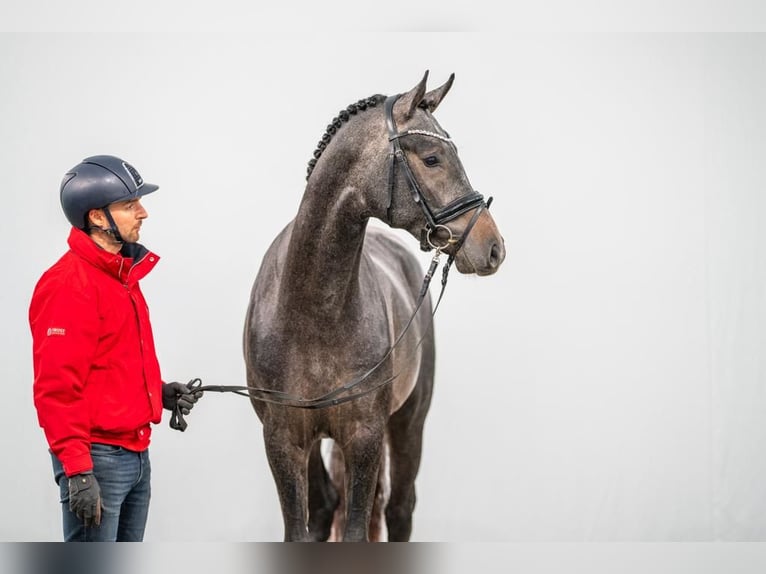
393,262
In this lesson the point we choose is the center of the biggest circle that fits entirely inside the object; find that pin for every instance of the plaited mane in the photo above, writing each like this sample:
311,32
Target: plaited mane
337,122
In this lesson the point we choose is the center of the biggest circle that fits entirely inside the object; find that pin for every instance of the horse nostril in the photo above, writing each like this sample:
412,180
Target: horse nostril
494,256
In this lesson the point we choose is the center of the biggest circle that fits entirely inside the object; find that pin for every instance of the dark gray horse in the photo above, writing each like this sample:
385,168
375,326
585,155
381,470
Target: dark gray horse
334,295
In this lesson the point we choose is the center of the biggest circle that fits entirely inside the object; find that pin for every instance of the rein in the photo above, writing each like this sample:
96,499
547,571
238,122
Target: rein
334,397
435,219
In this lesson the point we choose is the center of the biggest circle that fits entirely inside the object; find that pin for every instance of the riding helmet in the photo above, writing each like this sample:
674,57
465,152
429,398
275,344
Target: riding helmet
96,182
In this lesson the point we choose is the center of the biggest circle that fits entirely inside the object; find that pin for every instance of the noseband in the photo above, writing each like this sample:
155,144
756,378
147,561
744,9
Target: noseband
435,218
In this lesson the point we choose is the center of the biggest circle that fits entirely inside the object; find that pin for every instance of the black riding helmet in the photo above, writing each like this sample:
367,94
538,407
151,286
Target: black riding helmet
97,182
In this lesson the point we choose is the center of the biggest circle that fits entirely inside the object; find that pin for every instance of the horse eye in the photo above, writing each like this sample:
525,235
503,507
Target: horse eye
431,160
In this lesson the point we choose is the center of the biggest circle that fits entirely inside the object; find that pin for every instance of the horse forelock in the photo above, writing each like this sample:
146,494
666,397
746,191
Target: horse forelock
337,122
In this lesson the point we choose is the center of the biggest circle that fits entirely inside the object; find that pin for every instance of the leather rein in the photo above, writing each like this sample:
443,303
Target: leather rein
435,219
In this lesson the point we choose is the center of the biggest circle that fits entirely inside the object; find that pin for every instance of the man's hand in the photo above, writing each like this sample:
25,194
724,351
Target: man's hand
180,399
179,395
85,498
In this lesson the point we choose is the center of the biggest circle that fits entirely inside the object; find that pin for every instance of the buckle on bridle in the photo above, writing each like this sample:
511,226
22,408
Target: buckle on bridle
451,240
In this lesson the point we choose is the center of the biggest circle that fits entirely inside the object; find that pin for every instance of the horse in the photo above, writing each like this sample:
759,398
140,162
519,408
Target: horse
338,339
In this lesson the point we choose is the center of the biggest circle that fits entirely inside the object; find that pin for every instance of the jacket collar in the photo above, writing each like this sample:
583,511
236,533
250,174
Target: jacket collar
130,265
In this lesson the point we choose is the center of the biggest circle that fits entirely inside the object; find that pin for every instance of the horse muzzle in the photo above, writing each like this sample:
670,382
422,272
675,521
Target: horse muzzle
483,250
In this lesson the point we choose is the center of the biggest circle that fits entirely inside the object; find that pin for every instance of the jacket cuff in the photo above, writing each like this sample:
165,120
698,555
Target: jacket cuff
77,464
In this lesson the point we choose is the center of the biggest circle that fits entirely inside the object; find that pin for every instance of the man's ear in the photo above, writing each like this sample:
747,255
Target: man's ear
96,217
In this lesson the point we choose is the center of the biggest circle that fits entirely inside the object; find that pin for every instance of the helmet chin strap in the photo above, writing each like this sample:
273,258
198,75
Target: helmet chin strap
112,231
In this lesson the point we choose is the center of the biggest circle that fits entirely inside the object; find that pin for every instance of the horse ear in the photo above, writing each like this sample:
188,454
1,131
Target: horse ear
409,102
433,98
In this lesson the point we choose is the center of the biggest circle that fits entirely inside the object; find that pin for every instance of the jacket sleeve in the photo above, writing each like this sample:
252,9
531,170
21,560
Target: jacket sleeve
64,320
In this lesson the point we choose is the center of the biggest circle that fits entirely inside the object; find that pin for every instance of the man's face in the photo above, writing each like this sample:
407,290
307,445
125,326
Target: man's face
128,216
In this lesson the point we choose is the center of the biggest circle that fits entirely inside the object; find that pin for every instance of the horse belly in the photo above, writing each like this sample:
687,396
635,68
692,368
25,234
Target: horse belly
400,305
409,371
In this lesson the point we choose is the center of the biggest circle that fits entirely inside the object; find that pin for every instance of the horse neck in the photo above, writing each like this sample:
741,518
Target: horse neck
321,274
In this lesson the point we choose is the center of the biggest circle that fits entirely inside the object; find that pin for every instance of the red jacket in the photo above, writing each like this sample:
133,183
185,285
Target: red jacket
97,378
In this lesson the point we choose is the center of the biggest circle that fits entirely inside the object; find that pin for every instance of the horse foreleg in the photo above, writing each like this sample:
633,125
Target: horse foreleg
378,529
406,450
288,464
323,497
335,468
362,462
405,432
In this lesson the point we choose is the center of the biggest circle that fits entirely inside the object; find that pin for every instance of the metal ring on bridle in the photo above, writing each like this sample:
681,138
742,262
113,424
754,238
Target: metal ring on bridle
449,241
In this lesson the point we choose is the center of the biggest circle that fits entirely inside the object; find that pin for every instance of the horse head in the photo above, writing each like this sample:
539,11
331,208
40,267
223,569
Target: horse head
429,194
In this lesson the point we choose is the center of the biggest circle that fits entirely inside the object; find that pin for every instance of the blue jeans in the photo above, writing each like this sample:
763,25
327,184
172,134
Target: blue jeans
125,480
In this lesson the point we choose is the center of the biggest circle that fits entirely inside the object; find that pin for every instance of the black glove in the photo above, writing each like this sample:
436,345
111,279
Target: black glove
180,399
85,498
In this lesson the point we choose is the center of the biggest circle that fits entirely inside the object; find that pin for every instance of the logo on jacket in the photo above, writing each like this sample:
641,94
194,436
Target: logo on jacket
56,331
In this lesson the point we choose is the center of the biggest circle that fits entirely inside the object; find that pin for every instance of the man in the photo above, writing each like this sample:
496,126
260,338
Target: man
97,384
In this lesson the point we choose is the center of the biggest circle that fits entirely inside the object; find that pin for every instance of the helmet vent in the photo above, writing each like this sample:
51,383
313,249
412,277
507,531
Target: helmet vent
134,175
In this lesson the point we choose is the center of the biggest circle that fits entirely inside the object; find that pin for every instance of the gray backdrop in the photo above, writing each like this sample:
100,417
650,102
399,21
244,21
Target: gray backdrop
606,385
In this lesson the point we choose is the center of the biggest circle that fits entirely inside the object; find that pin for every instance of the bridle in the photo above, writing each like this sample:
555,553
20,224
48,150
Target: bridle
435,219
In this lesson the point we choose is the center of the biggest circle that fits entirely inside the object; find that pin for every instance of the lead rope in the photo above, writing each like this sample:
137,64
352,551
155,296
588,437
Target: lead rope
332,398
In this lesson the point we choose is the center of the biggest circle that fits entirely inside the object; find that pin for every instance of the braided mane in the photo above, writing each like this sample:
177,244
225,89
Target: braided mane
337,122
